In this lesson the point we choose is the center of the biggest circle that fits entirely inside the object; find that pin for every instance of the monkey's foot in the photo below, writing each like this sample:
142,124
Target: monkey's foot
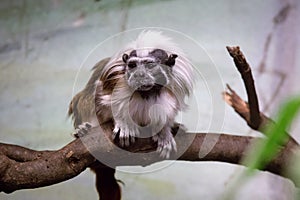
165,145
82,130
126,135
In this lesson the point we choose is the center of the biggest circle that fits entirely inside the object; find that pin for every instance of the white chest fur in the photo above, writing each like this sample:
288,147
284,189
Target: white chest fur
153,111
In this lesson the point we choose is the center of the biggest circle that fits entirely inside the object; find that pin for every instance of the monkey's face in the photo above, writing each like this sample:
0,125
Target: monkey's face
149,72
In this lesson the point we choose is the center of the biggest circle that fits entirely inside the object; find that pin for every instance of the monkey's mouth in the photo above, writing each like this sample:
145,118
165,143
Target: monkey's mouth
145,87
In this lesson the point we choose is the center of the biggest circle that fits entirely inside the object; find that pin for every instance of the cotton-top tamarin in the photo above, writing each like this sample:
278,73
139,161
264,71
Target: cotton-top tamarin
141,88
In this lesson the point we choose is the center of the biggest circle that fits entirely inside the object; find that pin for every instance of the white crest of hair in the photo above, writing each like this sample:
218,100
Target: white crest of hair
149,40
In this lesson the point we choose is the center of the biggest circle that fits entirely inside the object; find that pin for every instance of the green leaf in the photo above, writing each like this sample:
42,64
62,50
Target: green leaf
267,149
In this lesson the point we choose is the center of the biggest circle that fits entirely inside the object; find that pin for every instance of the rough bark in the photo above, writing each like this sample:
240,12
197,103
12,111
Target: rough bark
22,168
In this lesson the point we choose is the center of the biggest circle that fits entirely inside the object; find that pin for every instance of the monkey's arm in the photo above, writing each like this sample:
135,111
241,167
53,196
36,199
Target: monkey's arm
82,106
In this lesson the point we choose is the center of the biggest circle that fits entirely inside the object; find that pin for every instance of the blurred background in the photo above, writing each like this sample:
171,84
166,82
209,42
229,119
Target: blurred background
44,45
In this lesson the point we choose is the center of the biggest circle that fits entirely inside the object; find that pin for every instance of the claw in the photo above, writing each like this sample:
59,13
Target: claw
88,125
126,134
132,139
127,142
124,137
122,143
82,130
115,132
165,145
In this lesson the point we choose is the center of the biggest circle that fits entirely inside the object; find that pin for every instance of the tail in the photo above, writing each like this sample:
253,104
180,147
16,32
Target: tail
106,183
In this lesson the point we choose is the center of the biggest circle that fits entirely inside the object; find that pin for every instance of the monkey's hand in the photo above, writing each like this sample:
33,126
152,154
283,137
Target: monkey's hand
126,133
165,143
82,130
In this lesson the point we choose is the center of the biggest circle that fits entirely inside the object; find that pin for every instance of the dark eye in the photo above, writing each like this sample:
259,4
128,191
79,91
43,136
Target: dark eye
150,64
131,65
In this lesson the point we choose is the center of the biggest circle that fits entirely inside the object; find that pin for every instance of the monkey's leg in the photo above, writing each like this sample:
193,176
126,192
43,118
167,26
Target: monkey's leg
106,183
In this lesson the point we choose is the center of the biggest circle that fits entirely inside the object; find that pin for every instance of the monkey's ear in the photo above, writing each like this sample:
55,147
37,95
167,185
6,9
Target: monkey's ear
171,60
125,57
159,54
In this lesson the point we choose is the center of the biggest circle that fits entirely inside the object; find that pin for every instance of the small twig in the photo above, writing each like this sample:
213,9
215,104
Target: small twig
245,71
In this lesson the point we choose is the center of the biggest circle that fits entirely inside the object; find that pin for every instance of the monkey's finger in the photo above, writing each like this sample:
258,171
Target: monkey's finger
126,136
121,142
82,128
165,153
87,125
121,137
159,148
155,138
173,144
132,139
79,133
75,135
127,142
115,131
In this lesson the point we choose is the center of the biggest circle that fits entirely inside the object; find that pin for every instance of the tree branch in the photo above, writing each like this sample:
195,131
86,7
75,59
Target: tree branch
245,71
23,168
18,170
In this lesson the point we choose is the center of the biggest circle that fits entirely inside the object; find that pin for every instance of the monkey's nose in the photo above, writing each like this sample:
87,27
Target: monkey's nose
139,75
